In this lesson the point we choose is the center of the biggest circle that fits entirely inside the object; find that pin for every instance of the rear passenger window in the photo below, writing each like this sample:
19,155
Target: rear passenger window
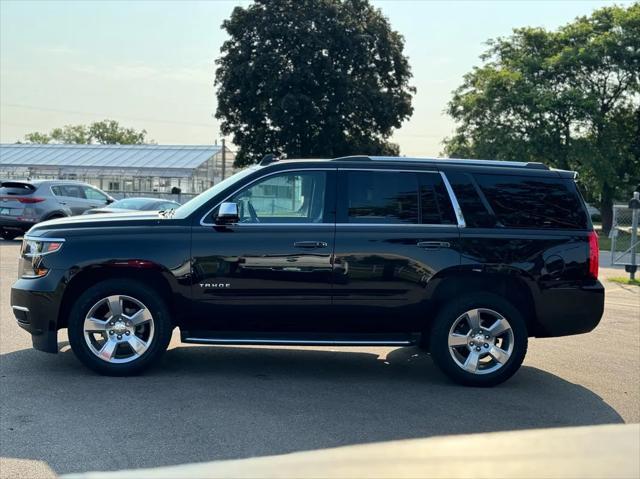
474,210
533,202
435,205
382,197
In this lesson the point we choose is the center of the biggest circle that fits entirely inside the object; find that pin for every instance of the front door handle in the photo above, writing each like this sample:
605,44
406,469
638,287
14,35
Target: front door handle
310,244
433,244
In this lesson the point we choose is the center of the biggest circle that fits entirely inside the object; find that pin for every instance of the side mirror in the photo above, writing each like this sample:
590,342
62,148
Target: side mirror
109,200
227,214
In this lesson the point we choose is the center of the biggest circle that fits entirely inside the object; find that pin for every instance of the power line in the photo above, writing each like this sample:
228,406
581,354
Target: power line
86,113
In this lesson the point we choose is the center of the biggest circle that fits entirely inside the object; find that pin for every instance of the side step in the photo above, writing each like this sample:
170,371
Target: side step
301,339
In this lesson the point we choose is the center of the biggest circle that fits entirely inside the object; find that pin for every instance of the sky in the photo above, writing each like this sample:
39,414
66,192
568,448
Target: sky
150,64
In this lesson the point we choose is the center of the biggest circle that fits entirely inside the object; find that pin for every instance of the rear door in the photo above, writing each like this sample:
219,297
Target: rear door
71,197
396,232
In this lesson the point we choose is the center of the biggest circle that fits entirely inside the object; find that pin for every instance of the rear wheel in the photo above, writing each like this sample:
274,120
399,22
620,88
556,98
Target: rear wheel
479,340
119,327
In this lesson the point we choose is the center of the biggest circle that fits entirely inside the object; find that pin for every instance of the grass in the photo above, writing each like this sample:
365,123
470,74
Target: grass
624,280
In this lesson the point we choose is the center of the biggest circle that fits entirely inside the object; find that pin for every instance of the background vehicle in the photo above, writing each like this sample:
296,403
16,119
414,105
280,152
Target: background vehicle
25,203
466,258
135,204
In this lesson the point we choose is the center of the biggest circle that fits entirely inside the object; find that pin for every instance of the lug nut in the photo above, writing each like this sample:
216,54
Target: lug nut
110,332
486,345
486,337
119,336
478,349
127,333
471,343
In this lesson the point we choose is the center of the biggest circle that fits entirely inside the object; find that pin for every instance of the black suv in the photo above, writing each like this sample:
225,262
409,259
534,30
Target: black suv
465,258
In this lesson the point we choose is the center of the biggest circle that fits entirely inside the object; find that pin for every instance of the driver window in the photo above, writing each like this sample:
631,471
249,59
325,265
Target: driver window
291,197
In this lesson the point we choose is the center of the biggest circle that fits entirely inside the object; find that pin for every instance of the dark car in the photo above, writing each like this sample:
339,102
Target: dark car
465,258
135,204
25,203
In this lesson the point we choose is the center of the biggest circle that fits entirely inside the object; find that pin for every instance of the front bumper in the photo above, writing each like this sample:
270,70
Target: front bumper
36,304
567,311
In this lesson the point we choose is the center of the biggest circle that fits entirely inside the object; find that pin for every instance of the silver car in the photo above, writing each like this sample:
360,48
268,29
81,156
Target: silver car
25,203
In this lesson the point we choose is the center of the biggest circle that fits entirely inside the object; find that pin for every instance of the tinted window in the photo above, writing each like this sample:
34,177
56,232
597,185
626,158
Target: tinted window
435,205
382,197
73,191
533,202
475,212
292,197
16,188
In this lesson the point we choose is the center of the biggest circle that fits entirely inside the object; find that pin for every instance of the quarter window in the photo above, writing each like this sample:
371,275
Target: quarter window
533,202
291,197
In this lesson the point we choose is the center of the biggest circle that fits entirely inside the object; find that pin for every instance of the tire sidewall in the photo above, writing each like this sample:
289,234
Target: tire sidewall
137,290
445,318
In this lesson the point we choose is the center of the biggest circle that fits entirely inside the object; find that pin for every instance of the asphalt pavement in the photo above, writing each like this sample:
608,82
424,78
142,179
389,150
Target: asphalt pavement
205,403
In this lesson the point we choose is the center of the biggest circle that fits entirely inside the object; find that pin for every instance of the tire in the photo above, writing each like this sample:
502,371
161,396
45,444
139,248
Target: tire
475,359
9,235
129,343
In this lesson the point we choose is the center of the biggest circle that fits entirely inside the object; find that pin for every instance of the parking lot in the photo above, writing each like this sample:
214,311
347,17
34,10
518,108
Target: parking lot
209,403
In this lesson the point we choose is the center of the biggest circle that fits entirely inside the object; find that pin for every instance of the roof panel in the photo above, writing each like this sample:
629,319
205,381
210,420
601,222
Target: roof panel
179,157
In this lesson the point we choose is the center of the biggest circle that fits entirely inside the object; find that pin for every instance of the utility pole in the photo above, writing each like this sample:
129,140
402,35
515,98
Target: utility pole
224,158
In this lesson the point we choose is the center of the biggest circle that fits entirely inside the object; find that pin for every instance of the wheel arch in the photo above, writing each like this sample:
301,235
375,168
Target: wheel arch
513,287
152,277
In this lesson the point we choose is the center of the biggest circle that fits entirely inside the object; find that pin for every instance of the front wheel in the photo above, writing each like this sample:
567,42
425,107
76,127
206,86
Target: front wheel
479,340
119,327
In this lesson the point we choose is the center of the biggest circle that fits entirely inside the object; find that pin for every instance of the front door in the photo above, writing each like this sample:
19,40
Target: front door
273,269
395,232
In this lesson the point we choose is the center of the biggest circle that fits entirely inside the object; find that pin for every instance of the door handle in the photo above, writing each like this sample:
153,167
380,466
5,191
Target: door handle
310,244
433,244
62,202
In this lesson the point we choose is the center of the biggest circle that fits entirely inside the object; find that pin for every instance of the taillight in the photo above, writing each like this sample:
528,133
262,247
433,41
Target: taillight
23,199
594,255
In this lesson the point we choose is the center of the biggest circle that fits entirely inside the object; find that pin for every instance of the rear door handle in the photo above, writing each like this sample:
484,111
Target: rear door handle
433,244
310,244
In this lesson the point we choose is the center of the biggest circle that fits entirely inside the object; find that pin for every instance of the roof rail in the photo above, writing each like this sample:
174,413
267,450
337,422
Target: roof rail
268,159
448,161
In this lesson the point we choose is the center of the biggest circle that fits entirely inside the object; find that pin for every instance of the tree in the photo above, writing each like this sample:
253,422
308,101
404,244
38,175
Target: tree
569,98
311,78
106,132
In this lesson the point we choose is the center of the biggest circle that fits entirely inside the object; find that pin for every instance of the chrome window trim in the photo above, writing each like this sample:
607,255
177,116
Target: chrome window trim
452,197
454,201
202,223
24,309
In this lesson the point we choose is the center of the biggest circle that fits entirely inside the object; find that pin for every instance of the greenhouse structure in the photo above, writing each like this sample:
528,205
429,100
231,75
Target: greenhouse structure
121,170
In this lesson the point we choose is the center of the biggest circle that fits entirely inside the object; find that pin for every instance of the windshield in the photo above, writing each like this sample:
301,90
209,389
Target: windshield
131,203
196,202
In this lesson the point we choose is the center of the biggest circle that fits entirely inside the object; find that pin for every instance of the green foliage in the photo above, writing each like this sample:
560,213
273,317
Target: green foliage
106,132
311,78
569,98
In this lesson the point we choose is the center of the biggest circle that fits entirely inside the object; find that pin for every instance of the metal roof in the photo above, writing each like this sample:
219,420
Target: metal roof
104,157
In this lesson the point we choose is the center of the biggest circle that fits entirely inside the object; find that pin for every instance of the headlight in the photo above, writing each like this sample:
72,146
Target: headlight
32,253
39,247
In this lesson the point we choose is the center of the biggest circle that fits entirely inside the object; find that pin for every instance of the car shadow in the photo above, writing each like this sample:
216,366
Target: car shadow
211,403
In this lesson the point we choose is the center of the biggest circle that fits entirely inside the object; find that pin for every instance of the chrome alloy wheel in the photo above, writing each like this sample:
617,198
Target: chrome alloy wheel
118,329
481,341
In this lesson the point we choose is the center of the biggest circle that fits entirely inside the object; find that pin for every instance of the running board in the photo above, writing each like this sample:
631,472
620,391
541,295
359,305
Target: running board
300,339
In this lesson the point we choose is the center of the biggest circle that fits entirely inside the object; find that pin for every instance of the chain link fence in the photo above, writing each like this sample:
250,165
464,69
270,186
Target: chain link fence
621,233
